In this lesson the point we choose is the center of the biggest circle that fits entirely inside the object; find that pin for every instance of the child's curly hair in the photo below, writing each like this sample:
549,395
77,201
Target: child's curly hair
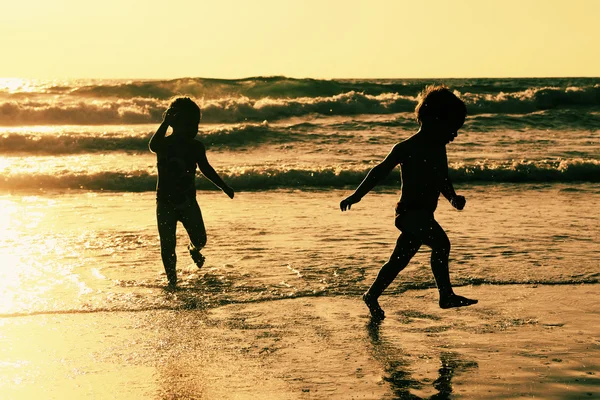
438,102
187,109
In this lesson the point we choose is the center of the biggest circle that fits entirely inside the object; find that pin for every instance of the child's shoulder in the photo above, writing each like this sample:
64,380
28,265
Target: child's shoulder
404,149
405,144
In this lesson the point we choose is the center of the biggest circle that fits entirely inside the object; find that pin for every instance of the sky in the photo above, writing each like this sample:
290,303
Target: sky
151,39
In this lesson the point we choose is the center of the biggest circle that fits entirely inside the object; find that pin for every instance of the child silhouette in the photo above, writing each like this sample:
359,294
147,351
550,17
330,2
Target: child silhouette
424,169
177,157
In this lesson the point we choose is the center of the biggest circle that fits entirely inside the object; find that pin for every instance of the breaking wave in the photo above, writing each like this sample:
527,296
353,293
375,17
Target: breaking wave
77,142
576,170
275,98
272,86
223,110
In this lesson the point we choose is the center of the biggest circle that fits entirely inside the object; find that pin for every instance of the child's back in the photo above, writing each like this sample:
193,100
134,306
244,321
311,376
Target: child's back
176,163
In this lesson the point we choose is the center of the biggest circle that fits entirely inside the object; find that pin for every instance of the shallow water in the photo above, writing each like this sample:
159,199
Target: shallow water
72,251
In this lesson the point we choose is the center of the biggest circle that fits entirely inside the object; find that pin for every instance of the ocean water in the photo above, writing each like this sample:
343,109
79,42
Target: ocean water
78,231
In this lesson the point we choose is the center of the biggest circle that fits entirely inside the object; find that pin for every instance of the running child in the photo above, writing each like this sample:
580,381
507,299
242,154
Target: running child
178,155
424,169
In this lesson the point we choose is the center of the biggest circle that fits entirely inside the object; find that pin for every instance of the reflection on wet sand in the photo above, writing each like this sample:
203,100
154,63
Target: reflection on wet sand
397,367
179,358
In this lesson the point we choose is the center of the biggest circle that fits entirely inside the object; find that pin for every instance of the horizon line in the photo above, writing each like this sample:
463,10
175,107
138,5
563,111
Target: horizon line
305,77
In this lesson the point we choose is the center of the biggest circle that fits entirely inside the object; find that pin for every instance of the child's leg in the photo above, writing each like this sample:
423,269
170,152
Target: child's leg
407,246
435,237
166,217
191,217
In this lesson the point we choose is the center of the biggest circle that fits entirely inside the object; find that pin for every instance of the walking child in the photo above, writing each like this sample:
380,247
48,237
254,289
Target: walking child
177,157
424,169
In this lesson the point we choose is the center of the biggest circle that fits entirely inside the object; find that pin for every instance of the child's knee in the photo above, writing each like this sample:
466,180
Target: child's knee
199,242
441,245
444,246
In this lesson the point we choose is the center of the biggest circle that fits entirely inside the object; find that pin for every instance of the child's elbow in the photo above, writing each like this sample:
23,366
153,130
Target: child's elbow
380,170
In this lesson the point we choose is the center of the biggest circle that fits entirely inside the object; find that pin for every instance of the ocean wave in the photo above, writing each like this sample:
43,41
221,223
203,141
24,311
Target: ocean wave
241,108
532,100
271,86
223,110
548,119
77,142
67,143
349,103
322,132
576,170
545,171
68,112
253,88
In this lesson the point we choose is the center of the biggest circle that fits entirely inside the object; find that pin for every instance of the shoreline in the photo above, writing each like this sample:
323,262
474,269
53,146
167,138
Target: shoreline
519,341
390,292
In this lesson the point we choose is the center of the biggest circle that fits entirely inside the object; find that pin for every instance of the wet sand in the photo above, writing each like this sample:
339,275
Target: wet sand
520,341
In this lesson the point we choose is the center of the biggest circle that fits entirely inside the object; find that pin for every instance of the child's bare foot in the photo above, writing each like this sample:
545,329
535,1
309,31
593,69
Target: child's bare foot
455,300
376,311
196,256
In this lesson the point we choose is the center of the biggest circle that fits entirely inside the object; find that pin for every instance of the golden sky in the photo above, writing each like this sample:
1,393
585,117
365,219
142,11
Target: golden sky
299,38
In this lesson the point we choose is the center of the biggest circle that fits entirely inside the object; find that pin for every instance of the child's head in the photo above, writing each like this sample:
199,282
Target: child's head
439,107
186,115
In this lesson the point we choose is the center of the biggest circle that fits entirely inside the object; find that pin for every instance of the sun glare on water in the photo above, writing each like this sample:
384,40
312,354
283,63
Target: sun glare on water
26,253
13,85
40,251
10,265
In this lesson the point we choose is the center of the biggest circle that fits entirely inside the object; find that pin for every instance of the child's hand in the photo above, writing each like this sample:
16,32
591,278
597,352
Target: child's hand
458,202
346,204
229,192
169,116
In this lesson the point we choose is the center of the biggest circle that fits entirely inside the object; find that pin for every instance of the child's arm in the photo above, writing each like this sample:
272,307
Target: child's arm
209,171
157,139
447,189
376,174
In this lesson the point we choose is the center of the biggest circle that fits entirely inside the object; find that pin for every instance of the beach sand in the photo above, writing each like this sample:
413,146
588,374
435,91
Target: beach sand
520,341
